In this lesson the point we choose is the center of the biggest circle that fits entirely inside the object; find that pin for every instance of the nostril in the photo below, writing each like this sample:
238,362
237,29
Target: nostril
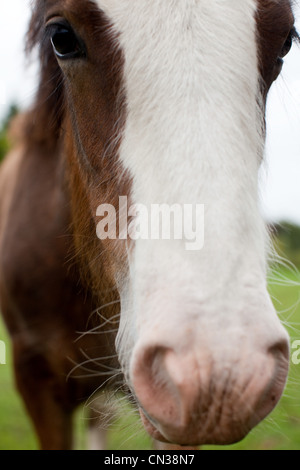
275,374
152,360
280,349
159,379
150,377
280,353
150,368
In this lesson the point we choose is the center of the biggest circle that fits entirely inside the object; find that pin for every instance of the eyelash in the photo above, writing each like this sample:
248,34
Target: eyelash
295,35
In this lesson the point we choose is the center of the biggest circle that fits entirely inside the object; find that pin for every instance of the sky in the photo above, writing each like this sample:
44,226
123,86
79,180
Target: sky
280,173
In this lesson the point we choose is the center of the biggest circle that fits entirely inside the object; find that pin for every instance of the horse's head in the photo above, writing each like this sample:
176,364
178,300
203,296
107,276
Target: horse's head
164,104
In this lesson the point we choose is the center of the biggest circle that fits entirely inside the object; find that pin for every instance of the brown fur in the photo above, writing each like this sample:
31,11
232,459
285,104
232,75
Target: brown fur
49,252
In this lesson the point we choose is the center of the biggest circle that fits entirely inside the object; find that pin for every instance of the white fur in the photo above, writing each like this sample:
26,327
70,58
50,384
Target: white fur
193,135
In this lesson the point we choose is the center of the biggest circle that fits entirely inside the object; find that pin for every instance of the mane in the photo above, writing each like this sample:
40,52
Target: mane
44,120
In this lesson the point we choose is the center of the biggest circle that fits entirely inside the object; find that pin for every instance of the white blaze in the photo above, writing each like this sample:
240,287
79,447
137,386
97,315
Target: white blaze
192,136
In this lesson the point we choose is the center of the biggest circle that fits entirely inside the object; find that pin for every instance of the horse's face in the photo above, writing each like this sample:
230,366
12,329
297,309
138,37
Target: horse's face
166,100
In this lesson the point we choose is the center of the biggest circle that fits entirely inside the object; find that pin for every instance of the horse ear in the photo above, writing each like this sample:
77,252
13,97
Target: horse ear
48,110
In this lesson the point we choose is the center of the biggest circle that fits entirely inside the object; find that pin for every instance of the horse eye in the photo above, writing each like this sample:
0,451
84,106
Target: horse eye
65,43
288,44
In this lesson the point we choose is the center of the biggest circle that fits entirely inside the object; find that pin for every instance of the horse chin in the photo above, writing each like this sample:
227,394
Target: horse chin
218,439
151,429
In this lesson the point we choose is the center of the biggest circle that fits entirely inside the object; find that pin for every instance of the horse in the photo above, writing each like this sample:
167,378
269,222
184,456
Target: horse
157,102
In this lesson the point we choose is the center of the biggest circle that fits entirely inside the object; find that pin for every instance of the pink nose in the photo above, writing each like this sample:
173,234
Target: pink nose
190,399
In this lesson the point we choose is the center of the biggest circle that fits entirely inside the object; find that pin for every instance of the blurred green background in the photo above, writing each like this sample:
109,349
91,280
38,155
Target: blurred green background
4,130
281,430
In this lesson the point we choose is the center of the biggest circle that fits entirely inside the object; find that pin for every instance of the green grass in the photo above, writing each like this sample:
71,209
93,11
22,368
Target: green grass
15,429
280,431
